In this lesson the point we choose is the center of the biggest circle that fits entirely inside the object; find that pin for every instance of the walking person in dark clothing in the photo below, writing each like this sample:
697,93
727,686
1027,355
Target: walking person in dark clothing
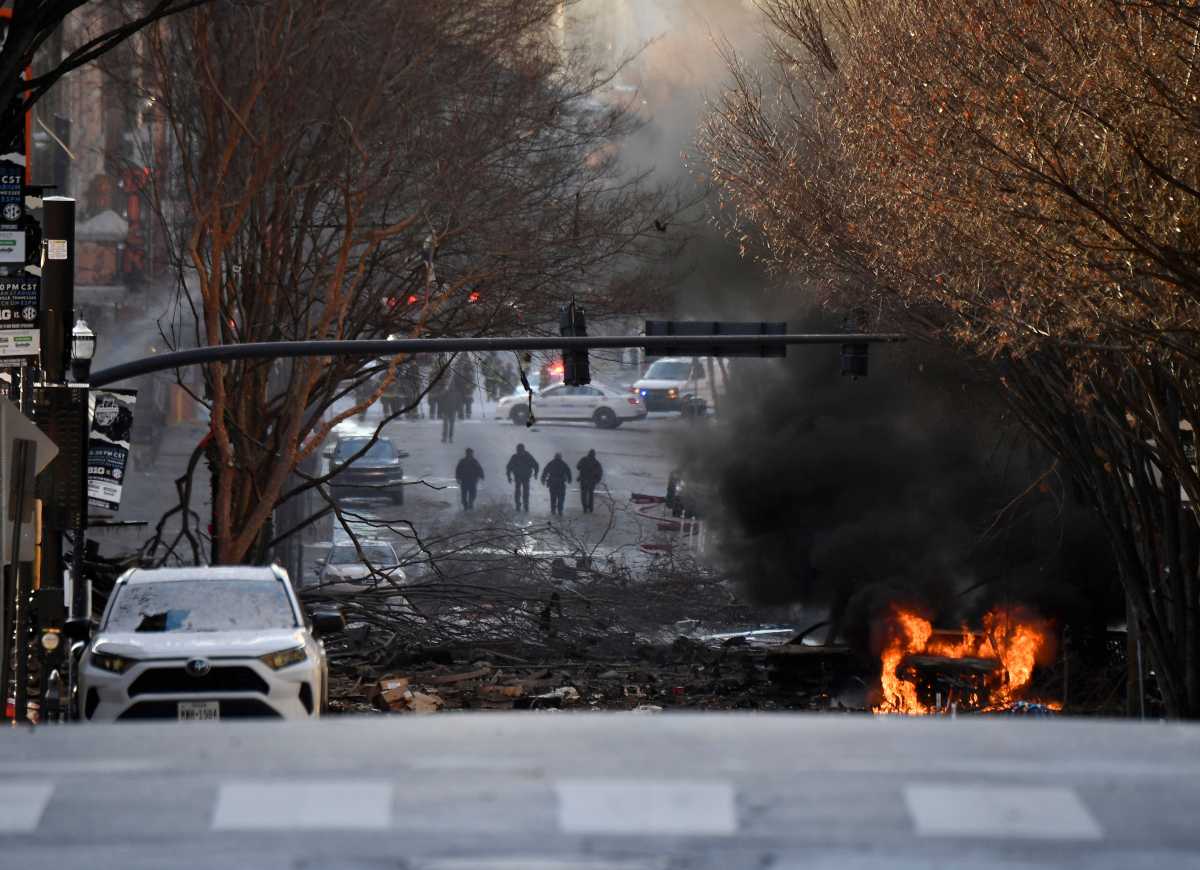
468,473
491,377
449,405
556,475
591,472
521,467
462,381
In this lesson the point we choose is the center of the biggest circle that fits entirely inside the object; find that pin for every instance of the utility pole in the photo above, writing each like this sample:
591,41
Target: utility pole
58,307
62,414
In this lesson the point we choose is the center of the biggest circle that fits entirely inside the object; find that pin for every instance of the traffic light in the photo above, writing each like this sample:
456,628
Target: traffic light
576,371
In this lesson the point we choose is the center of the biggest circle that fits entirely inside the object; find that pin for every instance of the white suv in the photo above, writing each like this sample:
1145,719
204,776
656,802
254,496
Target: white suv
201,644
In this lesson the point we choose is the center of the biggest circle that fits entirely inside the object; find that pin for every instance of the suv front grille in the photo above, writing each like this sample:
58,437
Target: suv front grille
658,400
175,680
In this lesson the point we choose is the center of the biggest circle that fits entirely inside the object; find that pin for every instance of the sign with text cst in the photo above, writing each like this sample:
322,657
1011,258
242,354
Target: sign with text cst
20,299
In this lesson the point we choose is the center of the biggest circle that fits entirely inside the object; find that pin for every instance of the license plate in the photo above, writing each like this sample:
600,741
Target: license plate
199,711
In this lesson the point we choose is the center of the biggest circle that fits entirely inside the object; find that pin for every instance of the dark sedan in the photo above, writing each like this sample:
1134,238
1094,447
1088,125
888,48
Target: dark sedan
376,472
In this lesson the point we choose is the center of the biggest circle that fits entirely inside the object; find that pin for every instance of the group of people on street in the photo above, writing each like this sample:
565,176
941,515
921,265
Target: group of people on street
523,468
453,397
450,389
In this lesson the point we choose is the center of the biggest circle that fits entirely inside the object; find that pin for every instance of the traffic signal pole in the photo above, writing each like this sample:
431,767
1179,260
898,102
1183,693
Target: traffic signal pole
694,345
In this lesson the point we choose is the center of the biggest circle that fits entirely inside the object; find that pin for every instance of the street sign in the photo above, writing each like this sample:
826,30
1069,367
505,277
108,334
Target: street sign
716,328
108,446
13,426
20,298
12,246
12,193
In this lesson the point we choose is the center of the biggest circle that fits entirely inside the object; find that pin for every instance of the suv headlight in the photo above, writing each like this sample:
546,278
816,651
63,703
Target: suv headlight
285,657
113,664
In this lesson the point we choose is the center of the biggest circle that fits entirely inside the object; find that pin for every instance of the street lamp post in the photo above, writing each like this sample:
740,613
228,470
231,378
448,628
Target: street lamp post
83,349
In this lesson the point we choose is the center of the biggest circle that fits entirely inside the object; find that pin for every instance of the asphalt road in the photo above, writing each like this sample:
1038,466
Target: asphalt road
637,457
537,791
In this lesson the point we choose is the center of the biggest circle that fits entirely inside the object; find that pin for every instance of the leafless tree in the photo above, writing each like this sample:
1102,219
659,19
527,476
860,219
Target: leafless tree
353,172
1016,179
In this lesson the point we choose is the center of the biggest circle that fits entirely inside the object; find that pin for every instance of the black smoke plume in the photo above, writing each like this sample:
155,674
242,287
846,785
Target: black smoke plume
913,485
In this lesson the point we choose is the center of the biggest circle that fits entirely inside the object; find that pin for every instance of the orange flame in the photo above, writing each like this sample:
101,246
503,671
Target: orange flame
1016,640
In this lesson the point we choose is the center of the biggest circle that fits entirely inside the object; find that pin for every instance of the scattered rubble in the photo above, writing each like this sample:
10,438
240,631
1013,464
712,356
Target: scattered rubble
686,674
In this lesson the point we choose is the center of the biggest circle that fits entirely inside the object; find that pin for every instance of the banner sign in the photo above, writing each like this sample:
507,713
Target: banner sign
108,446
12,191
19,302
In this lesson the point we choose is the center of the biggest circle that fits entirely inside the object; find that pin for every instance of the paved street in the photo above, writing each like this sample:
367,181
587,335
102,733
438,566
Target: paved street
636,458
539,791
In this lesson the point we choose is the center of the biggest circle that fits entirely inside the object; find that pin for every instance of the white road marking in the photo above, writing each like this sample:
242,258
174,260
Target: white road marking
303,804
614,806
1010,812
22,803
538,862
50,766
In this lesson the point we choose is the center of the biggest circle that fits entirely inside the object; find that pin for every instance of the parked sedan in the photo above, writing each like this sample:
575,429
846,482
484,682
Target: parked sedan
203,644
376,472
604,406
348,568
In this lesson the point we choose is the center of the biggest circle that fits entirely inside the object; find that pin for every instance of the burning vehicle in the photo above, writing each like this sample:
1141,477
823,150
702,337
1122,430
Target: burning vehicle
927,671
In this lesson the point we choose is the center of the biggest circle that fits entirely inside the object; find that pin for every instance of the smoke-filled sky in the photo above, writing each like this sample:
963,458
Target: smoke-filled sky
666,51
672,62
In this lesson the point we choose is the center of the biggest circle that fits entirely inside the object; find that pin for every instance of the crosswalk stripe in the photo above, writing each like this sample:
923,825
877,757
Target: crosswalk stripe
541,862
303,804
612,806
1007,812
22,802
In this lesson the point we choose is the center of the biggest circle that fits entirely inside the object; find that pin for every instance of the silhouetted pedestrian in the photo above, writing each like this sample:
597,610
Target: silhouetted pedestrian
449,406
462,381
591,472
521,467
556,475
468,473
491,377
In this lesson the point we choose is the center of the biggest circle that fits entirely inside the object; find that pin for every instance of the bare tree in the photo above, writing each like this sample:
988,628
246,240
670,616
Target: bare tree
1016,179
384,168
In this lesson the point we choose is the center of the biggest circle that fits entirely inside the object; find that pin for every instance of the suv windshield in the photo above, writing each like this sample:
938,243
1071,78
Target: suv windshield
379,450
201,605
375,554
665,370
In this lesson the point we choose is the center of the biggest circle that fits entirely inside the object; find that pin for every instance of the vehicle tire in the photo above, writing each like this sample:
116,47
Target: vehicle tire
519,415
605,418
